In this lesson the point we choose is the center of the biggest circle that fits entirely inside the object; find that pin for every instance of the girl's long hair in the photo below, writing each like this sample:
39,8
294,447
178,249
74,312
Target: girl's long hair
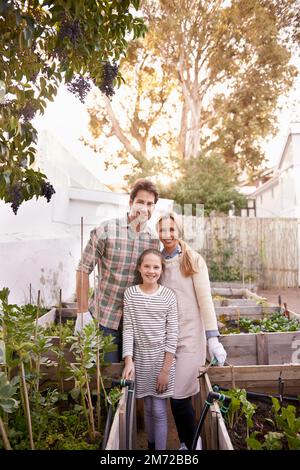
188,266
137,275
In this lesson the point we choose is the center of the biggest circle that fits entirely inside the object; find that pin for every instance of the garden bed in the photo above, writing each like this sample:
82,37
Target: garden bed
269,340
52,404
235,294
277,380
234,286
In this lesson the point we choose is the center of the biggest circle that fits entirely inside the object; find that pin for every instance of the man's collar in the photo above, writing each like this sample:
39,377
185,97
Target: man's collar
124,221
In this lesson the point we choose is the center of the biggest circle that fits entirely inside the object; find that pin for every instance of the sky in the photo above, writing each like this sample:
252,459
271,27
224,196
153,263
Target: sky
68,118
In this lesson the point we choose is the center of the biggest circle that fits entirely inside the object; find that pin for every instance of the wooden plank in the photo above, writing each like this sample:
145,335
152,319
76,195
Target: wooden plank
233,285
122,419
214,435
262,348
260,377
48,318
233,312
283,347
113,442
241,349
235,303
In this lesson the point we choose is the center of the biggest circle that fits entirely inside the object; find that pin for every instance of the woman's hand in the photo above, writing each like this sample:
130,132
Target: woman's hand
128,371
216,350
162,381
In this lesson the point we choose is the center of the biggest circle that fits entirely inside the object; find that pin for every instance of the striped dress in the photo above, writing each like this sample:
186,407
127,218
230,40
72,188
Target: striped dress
150,328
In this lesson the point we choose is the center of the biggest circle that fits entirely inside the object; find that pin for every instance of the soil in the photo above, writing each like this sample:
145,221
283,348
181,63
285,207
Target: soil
238,434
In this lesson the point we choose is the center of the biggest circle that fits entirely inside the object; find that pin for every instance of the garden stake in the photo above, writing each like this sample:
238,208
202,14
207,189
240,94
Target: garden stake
90,405
60,362
5,440
37,314
89,401
30,297
27,405
286,312
81,268
98,370
35,340
280,390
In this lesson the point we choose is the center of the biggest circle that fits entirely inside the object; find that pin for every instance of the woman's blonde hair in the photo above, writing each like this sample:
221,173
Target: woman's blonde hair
188,265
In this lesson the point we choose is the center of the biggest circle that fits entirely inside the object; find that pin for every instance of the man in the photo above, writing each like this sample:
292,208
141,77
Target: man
115,247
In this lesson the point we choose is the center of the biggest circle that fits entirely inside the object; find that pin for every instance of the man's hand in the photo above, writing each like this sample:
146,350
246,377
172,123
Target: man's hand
83,319
216,350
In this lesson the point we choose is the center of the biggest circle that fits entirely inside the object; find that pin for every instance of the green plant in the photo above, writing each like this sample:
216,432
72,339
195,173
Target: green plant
240,407
287,426
42,421
114,396
271,323
223,261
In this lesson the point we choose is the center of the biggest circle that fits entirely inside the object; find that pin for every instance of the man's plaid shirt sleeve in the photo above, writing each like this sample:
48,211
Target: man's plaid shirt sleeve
94,250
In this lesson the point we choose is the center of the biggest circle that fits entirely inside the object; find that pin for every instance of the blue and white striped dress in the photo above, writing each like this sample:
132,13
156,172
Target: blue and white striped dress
150,328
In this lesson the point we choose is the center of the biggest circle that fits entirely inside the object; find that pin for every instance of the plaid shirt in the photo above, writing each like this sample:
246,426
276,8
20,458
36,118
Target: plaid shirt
115,247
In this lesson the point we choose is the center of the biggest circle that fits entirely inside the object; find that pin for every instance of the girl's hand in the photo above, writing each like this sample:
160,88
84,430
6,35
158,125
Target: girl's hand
128,371
162,381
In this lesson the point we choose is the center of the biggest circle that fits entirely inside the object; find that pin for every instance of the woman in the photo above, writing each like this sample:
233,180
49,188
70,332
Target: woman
187,275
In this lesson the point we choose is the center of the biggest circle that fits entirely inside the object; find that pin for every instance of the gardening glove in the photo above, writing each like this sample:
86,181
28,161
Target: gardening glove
82,320
216,350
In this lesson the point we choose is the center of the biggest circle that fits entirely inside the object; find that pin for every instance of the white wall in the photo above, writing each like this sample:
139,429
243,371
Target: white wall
41,244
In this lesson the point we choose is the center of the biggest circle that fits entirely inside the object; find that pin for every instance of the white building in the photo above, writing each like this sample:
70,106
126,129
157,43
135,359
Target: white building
280,196
40,246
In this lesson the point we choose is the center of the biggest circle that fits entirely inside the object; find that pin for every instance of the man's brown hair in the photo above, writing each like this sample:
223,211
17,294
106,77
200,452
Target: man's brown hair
145,185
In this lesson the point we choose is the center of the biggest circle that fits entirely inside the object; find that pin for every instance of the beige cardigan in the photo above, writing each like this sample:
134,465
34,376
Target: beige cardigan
203,293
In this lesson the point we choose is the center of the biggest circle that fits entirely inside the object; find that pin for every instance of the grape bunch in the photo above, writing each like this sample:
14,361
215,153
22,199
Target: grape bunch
69,29
108,76
47,190
80,87
28,112
15,196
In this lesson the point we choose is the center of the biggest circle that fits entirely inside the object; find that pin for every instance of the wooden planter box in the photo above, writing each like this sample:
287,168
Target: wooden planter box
231,285
52,316
253,378
236,293
117,436
255,312
259,348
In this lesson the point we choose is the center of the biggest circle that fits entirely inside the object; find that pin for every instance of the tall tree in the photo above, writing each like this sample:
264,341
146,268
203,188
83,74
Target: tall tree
44,43
206,180
140,115
228,63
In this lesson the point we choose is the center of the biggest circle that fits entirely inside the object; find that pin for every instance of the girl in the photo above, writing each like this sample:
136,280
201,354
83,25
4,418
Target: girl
187,275
150,329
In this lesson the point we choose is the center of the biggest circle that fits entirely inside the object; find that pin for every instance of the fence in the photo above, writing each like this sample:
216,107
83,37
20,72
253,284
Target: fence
260,250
